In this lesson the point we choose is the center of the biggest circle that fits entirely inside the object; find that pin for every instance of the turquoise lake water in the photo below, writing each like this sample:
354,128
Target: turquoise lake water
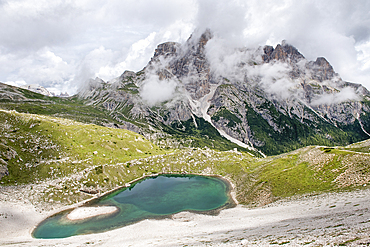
153,197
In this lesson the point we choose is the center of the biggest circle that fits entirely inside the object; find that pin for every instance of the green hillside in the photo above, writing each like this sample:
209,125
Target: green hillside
64,159
36,148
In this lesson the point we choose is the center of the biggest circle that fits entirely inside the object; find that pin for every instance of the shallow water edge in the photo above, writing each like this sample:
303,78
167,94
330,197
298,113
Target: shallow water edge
100,200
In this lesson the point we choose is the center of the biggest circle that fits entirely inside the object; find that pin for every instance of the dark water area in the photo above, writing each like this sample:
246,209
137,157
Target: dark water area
149,198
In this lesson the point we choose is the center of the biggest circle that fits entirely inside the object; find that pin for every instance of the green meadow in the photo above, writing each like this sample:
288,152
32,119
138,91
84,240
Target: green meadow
74,160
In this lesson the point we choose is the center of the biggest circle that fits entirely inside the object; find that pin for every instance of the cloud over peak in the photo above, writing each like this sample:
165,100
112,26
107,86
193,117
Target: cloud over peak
154,91
106,38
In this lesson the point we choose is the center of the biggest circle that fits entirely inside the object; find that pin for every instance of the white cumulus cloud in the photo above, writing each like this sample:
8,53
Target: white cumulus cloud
345,94
154,91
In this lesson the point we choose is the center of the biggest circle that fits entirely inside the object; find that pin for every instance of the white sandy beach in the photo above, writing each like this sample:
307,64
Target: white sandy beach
81,213
317,220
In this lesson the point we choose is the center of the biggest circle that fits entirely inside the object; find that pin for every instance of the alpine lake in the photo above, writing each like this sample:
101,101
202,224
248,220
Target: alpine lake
155,197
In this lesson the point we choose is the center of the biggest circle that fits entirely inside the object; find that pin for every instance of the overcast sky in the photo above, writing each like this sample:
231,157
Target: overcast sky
60,44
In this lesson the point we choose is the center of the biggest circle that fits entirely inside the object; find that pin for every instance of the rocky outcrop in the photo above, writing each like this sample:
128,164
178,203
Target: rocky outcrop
193,67
282,52
127,75
3,168
9,93
168,49
321,70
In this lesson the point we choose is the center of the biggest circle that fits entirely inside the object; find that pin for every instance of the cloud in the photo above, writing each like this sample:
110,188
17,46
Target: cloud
345,94
92,37
226,19
140,52
154,91
97,63
49,71
273,78
332,29
338,30
239,64
16,83
31,24
129,32
223,59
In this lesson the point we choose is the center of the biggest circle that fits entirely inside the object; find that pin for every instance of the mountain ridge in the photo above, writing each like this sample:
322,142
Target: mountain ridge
265,100
290,86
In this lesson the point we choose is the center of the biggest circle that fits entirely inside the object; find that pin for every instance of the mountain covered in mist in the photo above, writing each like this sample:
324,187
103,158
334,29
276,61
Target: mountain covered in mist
43,91
267,100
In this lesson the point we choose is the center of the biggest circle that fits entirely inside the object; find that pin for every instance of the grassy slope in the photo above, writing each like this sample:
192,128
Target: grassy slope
312,169
39,148
59,154
26,101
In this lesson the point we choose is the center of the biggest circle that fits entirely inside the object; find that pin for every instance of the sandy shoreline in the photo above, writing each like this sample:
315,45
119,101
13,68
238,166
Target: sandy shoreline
82,213
317,220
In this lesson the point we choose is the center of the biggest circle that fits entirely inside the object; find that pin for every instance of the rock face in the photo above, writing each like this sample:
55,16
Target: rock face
269,99
322,70
283,52
188,64
3,168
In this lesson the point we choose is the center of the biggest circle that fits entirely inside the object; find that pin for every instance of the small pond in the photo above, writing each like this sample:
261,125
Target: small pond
149,198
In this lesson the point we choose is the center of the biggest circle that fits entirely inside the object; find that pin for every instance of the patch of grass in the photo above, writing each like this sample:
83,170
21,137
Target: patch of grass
294,174
362,147
131,88
224,113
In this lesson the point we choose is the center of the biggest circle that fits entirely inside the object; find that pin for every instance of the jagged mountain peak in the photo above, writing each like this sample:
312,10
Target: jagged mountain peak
166,50
191,64
90,86
41,90
185,63
255,98
127,74
195,44
282,52
200,37
322,70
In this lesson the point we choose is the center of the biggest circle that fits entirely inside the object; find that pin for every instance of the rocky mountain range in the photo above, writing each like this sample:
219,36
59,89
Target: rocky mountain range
266,100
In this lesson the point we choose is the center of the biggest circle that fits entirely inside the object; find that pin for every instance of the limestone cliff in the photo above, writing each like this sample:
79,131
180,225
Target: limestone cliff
273,100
